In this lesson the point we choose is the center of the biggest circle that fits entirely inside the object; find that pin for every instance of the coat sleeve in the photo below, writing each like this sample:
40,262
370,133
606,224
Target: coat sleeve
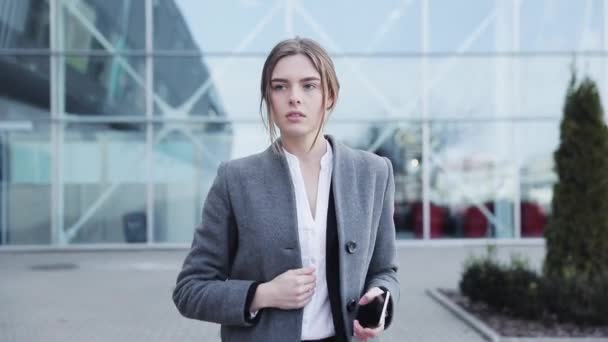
383,267
203,290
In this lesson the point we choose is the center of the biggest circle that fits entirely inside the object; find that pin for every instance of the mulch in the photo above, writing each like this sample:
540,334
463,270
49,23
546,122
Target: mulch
509,326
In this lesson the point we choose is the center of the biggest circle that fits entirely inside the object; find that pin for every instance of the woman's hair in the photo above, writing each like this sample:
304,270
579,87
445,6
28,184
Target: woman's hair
322,62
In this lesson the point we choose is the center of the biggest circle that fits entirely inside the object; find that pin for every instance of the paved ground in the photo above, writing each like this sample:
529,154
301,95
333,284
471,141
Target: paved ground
126,296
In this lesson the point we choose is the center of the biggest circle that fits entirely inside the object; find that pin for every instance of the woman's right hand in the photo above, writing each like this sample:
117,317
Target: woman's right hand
292,289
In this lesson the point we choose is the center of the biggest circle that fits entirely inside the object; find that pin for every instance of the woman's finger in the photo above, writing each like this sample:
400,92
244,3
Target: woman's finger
370,295
366,333
359,331
371,333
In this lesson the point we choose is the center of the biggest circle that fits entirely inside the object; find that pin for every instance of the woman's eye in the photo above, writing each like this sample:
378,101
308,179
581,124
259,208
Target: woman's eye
309,86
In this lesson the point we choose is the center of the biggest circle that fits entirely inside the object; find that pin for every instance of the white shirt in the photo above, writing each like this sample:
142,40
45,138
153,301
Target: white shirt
317,321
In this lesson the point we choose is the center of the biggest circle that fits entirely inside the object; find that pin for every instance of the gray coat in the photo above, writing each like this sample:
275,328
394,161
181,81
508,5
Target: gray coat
249,232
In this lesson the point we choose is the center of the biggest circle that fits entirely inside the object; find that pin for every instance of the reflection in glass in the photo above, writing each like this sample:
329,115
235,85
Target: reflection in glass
537,174
227,25
24,87
104,85
103,24
25,185
104,183
24,24
186,158
185,88
478,179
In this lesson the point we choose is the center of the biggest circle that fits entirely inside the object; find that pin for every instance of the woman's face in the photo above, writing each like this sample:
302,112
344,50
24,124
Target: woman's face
296,97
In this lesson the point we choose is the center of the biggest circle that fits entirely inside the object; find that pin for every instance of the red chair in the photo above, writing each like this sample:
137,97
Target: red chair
533,220
438,221
475,223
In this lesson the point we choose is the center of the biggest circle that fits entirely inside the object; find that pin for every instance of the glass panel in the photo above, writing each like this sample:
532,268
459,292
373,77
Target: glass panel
183,87
24,88
536,142
544,81
178,25
186,158
561,25
360,26
104,183
499,87
104,25
378,87
24,24
461,87
25,178
468,26
474,179
104,85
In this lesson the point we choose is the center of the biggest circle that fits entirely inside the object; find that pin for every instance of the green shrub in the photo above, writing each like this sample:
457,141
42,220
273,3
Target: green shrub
519,291
578,299
511,289
577,233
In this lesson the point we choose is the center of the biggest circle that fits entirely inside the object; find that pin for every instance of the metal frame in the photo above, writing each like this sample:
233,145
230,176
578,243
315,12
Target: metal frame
343,54
149,91
426,127
3,190
57,107
516,91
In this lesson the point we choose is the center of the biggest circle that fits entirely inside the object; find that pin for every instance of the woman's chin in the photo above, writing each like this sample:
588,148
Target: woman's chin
295,132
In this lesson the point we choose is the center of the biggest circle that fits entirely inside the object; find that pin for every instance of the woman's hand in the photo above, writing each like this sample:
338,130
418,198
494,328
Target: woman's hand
292,289
364,333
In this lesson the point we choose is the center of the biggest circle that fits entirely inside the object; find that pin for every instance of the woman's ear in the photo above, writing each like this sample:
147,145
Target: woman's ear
329,103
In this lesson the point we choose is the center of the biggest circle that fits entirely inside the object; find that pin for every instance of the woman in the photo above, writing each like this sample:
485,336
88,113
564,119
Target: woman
294,239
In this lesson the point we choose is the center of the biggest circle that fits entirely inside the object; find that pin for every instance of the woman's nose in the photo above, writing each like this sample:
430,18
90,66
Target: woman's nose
294,98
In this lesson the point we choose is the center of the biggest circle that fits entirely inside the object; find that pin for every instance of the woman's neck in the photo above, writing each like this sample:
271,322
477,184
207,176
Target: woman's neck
301,148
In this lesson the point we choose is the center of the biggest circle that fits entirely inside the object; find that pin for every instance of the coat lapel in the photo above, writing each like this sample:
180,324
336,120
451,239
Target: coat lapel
343,182
280,185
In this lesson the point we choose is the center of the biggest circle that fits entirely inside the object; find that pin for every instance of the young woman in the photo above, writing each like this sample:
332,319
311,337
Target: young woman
295,239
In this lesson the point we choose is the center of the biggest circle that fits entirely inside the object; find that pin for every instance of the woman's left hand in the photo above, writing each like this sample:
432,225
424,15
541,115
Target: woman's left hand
364,333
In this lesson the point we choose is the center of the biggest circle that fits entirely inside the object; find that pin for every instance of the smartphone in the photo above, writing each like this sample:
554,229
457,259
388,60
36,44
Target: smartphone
372,314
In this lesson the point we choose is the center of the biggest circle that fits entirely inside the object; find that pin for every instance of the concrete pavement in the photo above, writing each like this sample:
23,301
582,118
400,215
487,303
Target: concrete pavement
126,296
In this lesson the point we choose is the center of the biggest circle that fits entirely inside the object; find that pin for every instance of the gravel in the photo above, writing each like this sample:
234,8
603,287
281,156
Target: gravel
510,326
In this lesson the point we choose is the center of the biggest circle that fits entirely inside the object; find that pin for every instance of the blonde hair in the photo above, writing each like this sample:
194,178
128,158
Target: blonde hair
320,60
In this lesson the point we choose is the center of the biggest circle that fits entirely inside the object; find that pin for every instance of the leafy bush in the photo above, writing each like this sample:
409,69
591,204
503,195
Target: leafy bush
511,288
578,299
577,233
517,290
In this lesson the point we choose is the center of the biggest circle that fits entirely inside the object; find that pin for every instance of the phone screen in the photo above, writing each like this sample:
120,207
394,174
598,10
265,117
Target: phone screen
372,315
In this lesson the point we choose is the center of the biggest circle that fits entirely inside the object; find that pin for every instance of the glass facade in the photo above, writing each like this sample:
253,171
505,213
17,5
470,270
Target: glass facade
115,114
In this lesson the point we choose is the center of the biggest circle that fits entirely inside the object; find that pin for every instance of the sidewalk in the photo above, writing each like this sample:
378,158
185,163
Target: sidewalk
126,296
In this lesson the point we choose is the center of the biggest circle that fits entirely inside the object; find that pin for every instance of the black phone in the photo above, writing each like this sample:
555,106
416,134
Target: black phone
372,314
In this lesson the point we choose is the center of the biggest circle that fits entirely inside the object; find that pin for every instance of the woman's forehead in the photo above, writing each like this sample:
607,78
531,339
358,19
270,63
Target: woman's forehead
294,67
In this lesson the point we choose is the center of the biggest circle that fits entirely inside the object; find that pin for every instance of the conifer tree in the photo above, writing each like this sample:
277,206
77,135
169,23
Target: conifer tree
577,233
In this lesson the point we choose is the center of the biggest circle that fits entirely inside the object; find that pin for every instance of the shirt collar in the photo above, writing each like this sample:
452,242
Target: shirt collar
326,159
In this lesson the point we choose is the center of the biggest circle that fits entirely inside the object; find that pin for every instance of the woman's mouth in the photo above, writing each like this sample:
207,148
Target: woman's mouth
295,116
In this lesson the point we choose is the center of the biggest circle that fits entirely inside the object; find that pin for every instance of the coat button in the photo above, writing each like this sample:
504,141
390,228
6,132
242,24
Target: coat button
351,247
352,305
